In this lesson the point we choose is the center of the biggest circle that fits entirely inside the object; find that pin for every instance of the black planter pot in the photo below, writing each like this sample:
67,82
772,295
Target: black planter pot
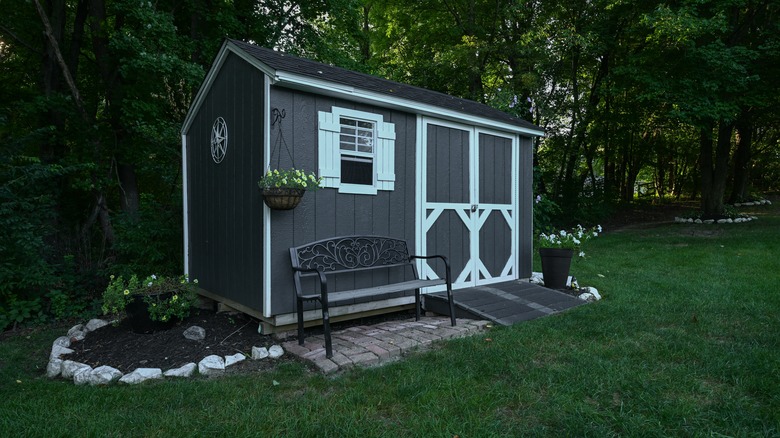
555,266
138,315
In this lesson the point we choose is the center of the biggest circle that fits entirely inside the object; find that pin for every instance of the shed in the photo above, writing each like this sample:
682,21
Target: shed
448,175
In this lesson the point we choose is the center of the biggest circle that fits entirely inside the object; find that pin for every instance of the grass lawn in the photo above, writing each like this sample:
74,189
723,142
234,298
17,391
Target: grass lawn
686,341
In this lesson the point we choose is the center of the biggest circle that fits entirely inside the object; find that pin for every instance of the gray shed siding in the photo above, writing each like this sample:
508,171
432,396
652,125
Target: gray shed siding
224,205
526,214
327,213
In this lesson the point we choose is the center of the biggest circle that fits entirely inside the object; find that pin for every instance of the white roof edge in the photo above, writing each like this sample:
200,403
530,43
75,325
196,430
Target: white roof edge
227,47
293,80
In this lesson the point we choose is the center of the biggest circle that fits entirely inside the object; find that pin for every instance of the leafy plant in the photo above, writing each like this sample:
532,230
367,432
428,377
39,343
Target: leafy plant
289,178
545,209
573,239
20,311
166,298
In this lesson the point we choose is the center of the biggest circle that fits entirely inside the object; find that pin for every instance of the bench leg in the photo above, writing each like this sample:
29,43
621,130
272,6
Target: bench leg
452,304
326,329
300,322
417,304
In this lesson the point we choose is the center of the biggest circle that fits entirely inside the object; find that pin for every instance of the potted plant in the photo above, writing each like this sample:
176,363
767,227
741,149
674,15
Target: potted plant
283,188
152,304
556,250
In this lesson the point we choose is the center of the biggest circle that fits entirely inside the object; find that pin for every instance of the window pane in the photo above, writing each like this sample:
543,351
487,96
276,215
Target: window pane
357,172
357,137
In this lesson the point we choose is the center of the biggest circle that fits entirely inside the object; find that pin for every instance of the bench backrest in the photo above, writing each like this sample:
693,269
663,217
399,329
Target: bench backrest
350,253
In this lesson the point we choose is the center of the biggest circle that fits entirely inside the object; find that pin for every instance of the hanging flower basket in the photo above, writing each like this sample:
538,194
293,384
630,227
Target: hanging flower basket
282,198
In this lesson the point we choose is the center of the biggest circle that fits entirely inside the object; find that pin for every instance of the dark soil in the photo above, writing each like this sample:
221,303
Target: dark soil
226,334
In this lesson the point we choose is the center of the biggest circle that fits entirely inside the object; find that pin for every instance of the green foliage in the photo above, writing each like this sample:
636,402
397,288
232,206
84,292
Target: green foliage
149,240
545,212
573,239
15,311
167,298
289,178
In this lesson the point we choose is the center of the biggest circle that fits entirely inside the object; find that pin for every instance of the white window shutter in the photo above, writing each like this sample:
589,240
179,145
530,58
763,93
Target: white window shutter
329,157
385,156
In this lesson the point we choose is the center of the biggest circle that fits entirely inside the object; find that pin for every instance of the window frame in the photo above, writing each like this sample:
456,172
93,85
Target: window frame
330,152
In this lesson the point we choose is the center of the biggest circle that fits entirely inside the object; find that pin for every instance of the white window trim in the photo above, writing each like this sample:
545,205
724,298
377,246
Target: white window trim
329,131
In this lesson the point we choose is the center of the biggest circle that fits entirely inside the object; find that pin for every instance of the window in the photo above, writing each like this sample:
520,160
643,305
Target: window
356,142
356,151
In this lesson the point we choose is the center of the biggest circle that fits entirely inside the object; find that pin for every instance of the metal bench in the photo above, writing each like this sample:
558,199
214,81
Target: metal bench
350,254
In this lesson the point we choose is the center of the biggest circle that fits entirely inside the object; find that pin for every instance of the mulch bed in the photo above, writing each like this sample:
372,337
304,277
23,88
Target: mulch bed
226,334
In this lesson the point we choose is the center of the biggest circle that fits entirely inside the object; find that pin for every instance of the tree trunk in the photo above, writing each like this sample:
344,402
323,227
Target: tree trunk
742,158
714,170
129,198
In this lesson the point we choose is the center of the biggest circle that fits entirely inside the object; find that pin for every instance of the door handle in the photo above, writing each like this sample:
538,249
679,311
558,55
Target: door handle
473,208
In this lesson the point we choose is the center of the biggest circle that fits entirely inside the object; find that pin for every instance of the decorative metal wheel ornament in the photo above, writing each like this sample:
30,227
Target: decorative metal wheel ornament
219,140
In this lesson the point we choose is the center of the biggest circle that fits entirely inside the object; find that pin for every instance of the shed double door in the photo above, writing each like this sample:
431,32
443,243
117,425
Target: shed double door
467,206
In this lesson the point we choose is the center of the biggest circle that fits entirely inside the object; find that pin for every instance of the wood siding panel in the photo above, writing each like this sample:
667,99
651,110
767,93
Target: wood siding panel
327,213
224,216
526,204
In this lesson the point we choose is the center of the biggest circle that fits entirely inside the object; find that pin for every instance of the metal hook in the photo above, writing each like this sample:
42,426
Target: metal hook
277,115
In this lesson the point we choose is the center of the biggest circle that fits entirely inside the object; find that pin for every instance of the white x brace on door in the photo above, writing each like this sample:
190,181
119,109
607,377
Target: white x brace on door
467,202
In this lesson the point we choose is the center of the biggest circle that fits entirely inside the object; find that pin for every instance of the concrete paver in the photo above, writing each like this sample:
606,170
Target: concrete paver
380,343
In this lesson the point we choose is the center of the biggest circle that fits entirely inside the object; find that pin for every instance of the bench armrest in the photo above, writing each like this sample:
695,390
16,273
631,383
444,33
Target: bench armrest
320,278
443,258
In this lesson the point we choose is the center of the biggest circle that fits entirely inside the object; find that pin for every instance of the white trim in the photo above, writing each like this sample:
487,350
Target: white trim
329,88
419,212
227,48
185,204
357,189
266,260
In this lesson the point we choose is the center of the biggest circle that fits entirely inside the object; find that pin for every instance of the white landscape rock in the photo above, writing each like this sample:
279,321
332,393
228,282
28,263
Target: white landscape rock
211,365
81,376
536,278
62,341
103,375
95,324
76,328
141,375
76,333
234,359
259,353
57,351
70,368
183,371
275,352
54,368
195,333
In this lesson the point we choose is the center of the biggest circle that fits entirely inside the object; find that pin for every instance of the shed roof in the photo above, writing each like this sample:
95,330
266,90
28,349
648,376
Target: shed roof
303,73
